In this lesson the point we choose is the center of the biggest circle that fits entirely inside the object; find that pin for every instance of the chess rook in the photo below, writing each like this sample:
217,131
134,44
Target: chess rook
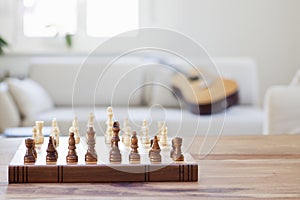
134,155
29,156
115,154
72,155
34,133
177,154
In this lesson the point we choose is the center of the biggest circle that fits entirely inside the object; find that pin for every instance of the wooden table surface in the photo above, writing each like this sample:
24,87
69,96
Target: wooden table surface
239,167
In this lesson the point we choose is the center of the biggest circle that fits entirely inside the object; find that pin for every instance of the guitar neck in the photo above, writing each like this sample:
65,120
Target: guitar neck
185,73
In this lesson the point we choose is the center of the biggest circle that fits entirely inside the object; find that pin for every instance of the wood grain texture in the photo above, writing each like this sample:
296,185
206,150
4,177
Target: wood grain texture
255,177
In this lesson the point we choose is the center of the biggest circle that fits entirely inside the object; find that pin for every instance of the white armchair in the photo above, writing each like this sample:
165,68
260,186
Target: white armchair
282,109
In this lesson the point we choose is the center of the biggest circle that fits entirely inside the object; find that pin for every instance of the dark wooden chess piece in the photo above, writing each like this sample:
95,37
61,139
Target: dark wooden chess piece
115,154
134,156
177,154
172,150
33,149
91,155
51,152
72,155
29,156
154,153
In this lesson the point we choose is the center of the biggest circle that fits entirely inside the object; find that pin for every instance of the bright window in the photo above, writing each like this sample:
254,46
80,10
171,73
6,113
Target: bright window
108,18
48,18
103,18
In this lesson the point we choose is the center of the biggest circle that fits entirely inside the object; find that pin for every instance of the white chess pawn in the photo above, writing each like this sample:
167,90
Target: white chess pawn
55,131
125,125
76,129
160,125
90,123
39,132
164,136
145,133
109,125
126,133
126,136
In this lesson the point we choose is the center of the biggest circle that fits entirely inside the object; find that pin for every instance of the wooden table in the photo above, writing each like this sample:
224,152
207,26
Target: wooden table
239,167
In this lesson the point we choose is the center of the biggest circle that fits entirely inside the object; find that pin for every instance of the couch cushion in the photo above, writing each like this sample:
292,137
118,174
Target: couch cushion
238,120
30,97
89,82
9,116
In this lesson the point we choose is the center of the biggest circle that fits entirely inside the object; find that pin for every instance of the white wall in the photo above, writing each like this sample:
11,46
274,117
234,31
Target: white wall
267,30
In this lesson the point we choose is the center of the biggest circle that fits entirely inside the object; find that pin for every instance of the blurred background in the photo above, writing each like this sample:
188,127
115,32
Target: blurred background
268,31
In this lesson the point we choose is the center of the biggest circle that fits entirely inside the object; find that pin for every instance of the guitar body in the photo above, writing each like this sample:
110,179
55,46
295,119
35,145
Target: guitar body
204,98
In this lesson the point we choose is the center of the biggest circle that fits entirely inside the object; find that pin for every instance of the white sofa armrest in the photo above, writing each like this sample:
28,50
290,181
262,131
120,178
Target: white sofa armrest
282,110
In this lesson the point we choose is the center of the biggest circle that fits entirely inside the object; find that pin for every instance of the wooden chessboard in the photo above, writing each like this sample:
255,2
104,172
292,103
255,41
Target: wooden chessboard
103,171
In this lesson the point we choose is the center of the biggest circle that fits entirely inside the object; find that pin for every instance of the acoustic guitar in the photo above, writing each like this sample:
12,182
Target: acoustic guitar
203,93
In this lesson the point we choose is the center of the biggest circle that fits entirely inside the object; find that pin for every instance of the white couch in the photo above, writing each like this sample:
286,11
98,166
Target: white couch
282,113
131,92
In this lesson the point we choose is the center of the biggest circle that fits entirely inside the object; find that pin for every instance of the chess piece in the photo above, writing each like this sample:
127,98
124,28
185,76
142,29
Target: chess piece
72,155
145,133
172,150
39,132
34,133
177,153
91,121
134,155
164,136
55,132
29,156
115,154
125,124
91,155
154,153
76,130
109,125
51,151
126,133
33,149
160,125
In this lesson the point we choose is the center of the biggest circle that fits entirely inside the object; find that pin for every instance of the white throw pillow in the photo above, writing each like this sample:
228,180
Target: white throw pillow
9,115
30,97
